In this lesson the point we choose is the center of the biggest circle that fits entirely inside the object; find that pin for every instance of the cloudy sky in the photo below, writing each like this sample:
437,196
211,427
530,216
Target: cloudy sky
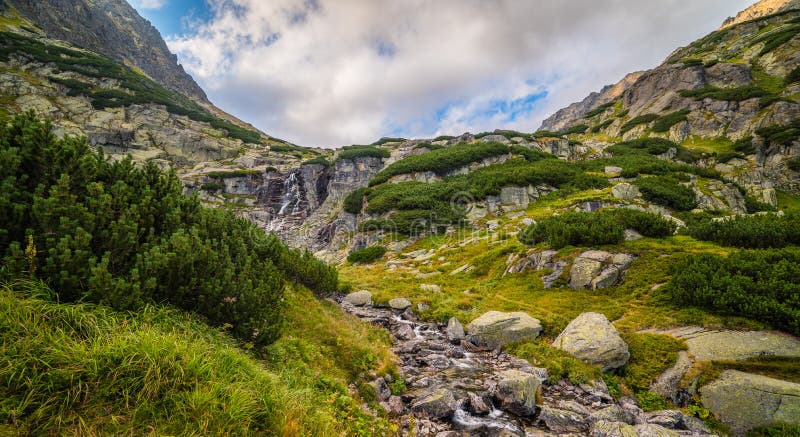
337,72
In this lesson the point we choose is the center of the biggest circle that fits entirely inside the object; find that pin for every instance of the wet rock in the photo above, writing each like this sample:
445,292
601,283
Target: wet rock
404,332
479,404
517,392
495,328
399,303
604,428
394,406
455,332
438,404
359,298
744,401
593,339
567,417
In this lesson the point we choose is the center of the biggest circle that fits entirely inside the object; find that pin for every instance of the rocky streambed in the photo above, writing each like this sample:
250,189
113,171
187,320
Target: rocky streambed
456,388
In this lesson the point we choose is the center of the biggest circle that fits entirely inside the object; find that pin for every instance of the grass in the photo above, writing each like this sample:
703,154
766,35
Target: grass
739,94
231,174
84,369
717,145
651,355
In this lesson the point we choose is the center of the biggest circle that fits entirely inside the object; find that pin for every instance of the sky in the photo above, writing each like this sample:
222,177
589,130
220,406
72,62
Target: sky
336,72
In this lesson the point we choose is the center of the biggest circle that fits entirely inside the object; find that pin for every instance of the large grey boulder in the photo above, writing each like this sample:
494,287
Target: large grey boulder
495,328
651,430
568,416
517,392
593,339
595,269
359,298
744,401
437,404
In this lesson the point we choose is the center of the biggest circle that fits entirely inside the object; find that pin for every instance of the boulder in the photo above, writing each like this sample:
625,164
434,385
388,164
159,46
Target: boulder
359,298
382,391
593,339
437,404
625,191
495,139
479,404
603,428
666,418
430,288
584,269
744,401
614,413
567,417
495,328
517,392
399,303
455,331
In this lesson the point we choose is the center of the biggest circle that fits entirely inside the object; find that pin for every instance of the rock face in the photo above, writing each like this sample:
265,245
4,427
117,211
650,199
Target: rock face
438,404
598,269
593,339
495,329
114,29
517,392
745,401
761,9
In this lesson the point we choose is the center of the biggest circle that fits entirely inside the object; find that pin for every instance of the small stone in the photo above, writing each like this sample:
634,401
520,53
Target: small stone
666,418
399,303
394,406
612,171
650,430
404,332
381,389
478,404
430,288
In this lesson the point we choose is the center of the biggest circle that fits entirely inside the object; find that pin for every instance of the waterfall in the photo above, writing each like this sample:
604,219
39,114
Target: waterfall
291,195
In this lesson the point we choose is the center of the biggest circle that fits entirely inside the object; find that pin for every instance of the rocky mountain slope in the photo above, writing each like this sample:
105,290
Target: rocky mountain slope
761,9
115,29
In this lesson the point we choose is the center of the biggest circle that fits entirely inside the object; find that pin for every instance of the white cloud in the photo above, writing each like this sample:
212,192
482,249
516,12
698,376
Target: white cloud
334,72
148,4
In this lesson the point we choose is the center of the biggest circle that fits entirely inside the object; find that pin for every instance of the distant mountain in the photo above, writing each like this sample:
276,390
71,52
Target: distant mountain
112,28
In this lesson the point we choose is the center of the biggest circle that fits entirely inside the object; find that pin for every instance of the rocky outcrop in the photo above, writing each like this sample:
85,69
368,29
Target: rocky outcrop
744,401
533,260
495,328
112,28
598,269
593,339
761,9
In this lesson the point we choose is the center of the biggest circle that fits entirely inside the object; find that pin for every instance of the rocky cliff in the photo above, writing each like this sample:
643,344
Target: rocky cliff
761,9
112,28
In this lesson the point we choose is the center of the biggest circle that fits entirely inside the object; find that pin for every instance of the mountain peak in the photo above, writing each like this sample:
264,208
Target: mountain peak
761,9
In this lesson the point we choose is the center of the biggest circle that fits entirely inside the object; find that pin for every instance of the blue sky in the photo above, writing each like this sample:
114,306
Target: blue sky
336,72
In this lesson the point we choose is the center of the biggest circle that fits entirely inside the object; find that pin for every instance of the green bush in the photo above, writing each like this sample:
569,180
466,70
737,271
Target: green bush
730,94
606,226
231,174
577,129
367,255
793,164
641,163
636,121
744,145
545,134
385,140
600,126
775,430
649,146
773,40
441,161
757,284
754,205
599,110
354,201
319,160
667,191
793,76
125,235
665,122
760,231
780,134
574,229
353,152
692,62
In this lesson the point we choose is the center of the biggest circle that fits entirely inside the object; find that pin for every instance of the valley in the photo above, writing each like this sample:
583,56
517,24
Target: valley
630,268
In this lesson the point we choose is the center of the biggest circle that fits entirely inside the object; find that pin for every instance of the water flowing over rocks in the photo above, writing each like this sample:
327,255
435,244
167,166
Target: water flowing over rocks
457,388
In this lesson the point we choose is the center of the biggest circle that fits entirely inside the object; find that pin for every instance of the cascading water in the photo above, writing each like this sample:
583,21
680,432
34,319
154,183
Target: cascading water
291,201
